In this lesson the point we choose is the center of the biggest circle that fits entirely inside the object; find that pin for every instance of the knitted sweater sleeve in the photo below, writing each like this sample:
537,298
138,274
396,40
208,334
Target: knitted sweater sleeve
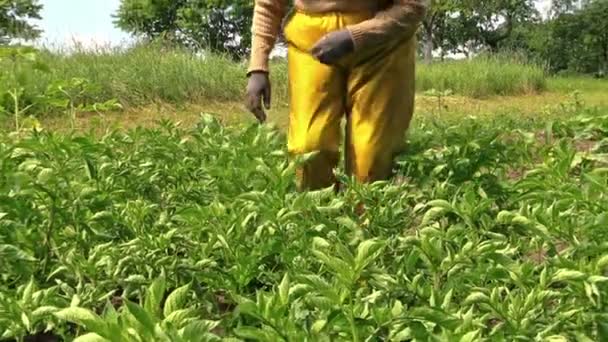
400,20
267,18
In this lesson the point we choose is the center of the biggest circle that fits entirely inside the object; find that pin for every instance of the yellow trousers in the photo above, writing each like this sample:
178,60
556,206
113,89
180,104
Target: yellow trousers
373,89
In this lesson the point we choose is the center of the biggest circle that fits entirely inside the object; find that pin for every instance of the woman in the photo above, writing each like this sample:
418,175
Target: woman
346,57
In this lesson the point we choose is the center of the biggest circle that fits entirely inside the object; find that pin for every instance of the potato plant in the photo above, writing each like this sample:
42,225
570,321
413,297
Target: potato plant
488,233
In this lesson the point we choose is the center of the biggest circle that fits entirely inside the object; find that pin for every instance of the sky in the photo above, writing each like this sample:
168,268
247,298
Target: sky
88,22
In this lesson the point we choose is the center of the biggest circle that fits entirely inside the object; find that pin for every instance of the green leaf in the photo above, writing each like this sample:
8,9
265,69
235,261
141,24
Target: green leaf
436,316
602,263
602,329
447,300
91,337
28,292
401,335
194,330
284,289
179,318
568,275
597,279
10,252
176,300
318,326
470,336
45,176
397,309
250,308
339,266
556,338
43,311
143,317
83,317
316,282
25,320
367,251
475,298
581,337
256,334
441,204
431,215
320,243
154,296
348,222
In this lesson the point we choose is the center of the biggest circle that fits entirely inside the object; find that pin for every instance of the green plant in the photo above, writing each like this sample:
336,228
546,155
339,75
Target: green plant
490,231
440,96
70,97
482,77
147,74
21,60
175,320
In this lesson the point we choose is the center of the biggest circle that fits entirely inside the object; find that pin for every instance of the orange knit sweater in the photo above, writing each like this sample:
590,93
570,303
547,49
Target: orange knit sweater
392,18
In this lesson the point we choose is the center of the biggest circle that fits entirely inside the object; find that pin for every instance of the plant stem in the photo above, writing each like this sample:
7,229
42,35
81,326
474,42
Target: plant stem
15,97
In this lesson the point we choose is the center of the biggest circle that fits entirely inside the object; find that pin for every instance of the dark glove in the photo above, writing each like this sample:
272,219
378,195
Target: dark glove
258,91
333,47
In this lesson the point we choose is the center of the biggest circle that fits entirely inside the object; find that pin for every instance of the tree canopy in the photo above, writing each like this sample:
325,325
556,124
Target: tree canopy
217,25
466,26
15,16
572,36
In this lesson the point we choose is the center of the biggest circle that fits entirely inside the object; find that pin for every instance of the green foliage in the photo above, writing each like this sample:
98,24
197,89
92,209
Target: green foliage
15,16
573,40
222,26
68,97
133,322
482,76
139,76
472,25
495,20
148,74
489,232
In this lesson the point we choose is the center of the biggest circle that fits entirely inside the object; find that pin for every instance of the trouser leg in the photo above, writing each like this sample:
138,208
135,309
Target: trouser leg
381,95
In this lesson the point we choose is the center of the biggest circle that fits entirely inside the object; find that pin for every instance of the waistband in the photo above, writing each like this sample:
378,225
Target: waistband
295,10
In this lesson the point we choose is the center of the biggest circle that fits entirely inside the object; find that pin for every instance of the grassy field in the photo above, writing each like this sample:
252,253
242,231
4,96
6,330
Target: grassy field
493,230
152,84
157,223
536,107
147,75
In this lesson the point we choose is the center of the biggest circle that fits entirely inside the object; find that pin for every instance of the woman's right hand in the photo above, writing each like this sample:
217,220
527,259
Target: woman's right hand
258,94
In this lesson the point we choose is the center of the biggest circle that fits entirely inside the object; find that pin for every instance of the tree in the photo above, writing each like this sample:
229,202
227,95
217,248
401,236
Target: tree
434,25
14,19
559,7
596,36
216,25
150,18
459,26
574,39
495,20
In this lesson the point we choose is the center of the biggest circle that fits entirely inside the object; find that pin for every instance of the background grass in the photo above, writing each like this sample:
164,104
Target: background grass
147,74
482,77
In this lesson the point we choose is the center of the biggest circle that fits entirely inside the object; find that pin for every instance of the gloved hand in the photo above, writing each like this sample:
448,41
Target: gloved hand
333,46
258,91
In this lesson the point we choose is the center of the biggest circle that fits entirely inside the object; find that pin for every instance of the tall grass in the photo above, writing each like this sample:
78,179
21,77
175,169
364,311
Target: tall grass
146,74
482,77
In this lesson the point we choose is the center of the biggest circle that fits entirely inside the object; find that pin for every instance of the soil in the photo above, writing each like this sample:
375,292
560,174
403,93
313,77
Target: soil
538,257
584,145
40,337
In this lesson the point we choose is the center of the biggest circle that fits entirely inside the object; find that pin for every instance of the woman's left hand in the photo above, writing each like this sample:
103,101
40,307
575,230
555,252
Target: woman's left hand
333,47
